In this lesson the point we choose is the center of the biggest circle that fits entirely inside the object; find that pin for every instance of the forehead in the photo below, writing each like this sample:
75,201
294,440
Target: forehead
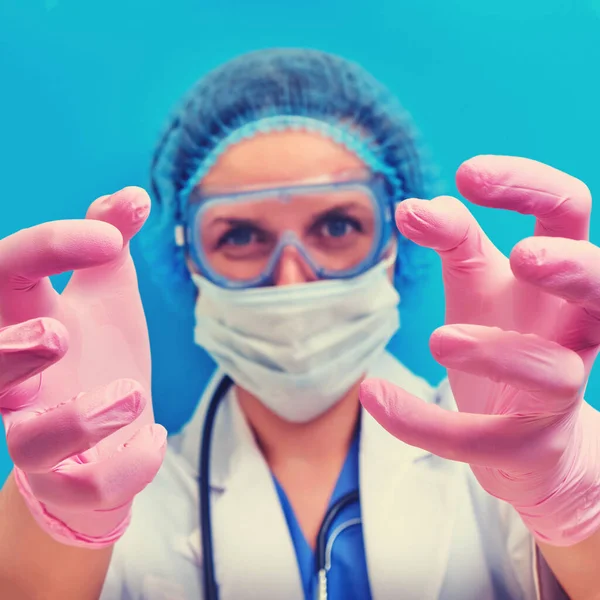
280,158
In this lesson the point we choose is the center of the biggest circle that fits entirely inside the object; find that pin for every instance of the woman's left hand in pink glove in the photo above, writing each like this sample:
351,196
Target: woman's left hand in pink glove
520,338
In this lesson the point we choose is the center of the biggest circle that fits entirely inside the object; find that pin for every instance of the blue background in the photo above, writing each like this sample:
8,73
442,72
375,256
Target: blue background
85,87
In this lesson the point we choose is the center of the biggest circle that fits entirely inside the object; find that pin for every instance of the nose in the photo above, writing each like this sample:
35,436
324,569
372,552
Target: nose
292,268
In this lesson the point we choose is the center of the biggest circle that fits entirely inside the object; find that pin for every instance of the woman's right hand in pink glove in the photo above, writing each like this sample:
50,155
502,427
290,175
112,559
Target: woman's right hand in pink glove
75,372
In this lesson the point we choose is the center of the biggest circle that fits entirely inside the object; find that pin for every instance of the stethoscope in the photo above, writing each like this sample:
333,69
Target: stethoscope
324,540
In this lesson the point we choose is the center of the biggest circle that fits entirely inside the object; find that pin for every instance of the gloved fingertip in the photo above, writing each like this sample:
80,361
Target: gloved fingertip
126,209
104,200
530,252
435,343
141,212
411,219
373,395
135,201
471,173
126,400
159,434
369,387
41,336
443,223
153,435
54,337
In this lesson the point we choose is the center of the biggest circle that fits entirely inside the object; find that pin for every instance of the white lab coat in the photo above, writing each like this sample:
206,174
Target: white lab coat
430,531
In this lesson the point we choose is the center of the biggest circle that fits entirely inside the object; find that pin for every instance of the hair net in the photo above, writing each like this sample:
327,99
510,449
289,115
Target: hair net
267,90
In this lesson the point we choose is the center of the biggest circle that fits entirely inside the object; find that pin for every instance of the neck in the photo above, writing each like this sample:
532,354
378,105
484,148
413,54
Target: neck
327,436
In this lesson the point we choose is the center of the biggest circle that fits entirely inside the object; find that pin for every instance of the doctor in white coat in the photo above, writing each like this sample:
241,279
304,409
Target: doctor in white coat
430,530
276,184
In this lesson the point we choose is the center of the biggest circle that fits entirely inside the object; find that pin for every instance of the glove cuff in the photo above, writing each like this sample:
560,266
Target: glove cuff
59,530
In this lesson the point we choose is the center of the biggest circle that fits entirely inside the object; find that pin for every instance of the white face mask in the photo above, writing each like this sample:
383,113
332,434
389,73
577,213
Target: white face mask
298,348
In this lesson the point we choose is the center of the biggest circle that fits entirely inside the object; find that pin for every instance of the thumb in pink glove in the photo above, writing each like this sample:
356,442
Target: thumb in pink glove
75,372
519,342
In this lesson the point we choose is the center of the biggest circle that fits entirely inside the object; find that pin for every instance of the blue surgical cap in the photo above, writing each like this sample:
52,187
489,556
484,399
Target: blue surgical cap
268,90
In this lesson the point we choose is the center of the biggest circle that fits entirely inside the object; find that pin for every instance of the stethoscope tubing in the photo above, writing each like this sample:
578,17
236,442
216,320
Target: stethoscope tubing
211,590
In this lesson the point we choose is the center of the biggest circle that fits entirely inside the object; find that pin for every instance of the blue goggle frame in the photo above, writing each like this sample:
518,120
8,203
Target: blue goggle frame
384,214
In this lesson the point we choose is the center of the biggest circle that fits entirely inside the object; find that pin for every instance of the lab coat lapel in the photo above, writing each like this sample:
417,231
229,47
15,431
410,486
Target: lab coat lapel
254,554
408,501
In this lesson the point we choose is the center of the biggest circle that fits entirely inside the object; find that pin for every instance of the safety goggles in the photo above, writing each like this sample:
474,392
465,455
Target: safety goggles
339,229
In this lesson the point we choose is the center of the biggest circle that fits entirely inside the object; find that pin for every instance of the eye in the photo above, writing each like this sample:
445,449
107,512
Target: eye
241,235
337,226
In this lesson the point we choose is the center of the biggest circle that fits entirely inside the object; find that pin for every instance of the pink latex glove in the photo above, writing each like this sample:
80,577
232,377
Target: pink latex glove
520,339
75,372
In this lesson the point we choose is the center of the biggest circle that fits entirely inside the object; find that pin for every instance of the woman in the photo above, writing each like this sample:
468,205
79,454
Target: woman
275,186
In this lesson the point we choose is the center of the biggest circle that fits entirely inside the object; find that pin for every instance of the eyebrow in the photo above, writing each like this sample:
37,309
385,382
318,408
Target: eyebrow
340,207
234,221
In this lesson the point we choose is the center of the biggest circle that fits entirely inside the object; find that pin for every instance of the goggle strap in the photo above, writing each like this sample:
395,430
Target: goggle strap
179,234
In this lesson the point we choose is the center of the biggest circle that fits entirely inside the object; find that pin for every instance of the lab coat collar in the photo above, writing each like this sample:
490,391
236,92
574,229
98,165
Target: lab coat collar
406,504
